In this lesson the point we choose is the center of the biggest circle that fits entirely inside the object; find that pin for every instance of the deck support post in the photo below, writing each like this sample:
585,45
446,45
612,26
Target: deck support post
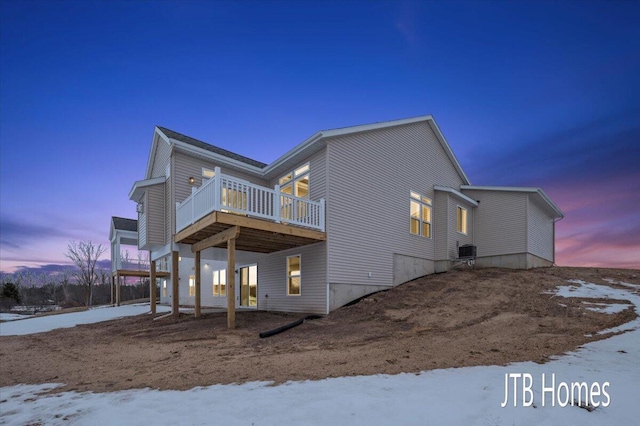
175,285
113,289
231,283
152,287
198,295
118,290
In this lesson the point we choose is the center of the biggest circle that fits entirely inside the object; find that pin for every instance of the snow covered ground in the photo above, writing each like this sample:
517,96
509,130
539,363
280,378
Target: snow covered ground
51,322
12,317
461,396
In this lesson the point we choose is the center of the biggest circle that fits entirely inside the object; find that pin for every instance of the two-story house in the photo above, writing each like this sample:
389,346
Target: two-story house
345,213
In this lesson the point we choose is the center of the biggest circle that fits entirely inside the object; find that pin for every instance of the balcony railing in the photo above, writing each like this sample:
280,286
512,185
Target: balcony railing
228,194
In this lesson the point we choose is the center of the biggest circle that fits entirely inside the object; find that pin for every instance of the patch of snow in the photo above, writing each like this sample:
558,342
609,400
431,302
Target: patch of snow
471,395
606,308
52,322
596,291
612,281
12,317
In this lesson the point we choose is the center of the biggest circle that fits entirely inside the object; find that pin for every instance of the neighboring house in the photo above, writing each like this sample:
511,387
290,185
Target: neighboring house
124,232
347,212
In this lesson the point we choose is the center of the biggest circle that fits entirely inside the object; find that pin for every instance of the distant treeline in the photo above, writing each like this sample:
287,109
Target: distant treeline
66,294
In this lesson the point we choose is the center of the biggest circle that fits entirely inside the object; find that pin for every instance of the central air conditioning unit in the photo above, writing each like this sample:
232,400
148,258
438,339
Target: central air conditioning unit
467,251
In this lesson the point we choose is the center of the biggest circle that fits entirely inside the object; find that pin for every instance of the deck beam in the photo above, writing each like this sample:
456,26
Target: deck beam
214,240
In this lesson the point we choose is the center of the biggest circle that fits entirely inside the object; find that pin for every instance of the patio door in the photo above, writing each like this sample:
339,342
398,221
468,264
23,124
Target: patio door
248,286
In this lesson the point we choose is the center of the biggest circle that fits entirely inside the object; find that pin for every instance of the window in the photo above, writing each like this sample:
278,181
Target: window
220,282
462,220
164,288
208,173
293,276
162,265
420,222
192,285
295,183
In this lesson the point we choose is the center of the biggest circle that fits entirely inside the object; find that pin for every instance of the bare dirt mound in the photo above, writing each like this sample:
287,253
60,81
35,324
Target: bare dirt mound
461,318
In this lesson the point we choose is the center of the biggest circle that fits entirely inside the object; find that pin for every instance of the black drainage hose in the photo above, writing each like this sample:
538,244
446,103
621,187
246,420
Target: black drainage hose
288,326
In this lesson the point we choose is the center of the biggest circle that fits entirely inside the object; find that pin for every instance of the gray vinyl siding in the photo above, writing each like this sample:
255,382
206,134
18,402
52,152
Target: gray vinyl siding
500,222
272,280
169,210
370,176
540,230
441,225
317,175
456,238
186,166
161,159
206,282
142,224
155,205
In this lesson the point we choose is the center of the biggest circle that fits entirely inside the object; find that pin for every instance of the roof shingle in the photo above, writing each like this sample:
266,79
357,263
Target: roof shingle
211,148
124,224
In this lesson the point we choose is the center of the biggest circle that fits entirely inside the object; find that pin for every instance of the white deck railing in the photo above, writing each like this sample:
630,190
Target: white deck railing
229,194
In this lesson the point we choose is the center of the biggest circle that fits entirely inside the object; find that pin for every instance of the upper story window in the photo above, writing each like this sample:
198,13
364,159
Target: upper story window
461,214
296,183
420,215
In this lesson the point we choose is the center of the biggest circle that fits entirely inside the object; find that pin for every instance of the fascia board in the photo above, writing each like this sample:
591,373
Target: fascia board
457,194
136,190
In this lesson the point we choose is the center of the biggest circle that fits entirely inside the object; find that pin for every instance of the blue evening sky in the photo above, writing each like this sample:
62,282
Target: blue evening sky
542,93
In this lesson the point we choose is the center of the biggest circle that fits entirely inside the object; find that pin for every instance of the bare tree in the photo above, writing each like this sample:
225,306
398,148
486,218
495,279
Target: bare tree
126,259
63,279
84,256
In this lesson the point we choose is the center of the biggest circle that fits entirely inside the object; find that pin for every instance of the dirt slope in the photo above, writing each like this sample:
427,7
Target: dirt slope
461,318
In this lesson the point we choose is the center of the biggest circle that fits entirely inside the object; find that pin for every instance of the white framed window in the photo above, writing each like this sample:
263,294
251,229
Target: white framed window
164,288
220,282
192,285
296,183
420,215
162,265
294,275
461,222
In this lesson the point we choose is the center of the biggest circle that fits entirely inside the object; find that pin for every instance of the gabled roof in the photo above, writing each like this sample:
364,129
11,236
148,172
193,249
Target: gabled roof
137,190
538,192
212,148
320,138
124,224
121,226
304,149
